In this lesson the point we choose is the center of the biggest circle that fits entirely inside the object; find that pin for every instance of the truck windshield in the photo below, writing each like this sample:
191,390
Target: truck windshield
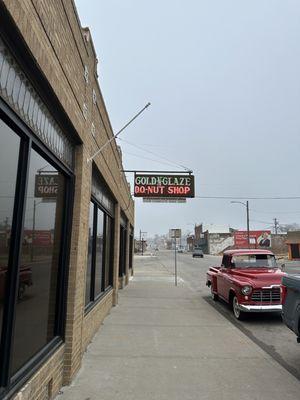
253,261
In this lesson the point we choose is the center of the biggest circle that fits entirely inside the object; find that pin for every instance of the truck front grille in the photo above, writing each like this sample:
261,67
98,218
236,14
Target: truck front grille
270,296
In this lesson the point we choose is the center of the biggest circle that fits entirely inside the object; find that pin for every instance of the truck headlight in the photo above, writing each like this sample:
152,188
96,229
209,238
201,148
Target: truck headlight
246,290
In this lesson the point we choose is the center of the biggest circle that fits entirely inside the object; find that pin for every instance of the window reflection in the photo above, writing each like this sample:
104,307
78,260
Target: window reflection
108,253
9,151
99,253
131,251
99,273
90,254
35,311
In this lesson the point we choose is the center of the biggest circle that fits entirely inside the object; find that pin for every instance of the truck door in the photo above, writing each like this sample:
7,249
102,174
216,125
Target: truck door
222,277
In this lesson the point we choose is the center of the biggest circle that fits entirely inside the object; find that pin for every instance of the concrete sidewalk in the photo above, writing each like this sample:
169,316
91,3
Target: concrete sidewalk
164,342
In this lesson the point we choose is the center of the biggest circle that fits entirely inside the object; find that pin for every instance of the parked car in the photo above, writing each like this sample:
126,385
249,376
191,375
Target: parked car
290,292
249,280
25,280
198,253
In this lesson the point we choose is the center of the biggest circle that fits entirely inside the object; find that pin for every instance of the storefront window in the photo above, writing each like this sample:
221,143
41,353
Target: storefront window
131,251
108,253
39,261
90,255
99,253
99,273
9,153
122,252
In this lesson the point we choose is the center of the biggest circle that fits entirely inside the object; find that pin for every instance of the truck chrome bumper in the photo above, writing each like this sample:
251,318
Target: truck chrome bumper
263,308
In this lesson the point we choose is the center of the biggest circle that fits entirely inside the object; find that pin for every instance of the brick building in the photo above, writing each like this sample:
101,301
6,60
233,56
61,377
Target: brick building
66,221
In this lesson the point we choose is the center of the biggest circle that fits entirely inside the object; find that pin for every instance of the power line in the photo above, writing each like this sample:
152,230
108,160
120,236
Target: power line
275,212
148,158
261,222
155,154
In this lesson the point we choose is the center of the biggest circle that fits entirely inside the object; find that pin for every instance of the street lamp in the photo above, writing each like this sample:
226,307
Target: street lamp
247,208
142,241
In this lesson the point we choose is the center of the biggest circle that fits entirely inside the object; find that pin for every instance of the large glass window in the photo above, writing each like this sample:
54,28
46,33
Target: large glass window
131,251
39,261
99,271
122,251
32,218
90,255
99,253
108,252
9,152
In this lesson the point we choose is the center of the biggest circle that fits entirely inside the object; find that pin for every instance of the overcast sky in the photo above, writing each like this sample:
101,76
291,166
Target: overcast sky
223,78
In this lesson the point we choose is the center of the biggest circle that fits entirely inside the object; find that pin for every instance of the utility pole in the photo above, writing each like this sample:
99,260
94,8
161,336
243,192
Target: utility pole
247,209
142,241
276,225
248,231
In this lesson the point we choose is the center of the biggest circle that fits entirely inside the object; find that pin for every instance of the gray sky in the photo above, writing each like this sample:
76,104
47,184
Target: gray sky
223,77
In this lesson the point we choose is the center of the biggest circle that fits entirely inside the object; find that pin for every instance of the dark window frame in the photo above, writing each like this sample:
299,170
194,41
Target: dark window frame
10,383
95,299
122,251
131,243
111,254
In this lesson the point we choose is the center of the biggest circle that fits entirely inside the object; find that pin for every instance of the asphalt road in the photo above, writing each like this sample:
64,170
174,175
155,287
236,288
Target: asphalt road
266,330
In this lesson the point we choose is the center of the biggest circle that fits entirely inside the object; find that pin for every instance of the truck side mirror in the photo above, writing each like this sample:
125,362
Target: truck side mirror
282,267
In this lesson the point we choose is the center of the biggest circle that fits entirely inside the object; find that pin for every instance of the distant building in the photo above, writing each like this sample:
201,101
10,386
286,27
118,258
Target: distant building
212,239
293,243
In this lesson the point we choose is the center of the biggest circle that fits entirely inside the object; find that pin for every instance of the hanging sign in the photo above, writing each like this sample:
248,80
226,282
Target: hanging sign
46,185
164,186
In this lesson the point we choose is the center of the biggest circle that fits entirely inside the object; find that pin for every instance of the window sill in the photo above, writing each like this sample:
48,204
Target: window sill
25,373
89,307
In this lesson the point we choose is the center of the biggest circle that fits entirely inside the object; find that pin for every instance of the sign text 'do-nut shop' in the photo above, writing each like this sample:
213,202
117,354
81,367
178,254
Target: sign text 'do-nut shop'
146,185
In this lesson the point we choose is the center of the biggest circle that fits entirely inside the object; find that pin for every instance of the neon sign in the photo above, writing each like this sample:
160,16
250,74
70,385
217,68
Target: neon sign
164,186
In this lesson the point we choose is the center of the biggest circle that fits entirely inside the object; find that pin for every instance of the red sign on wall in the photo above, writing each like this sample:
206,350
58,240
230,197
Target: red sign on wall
257,239
164,186
39,237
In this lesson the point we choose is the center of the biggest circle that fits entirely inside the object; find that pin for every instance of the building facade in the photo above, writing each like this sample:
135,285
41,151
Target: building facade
66,220
293,243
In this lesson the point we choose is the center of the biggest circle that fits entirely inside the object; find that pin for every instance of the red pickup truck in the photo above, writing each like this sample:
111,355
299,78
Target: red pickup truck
249,280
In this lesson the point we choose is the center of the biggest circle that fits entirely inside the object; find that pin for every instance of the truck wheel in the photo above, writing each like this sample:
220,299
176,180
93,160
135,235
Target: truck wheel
240,315
213,295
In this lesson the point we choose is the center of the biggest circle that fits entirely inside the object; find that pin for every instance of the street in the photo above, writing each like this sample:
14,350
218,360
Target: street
266,330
